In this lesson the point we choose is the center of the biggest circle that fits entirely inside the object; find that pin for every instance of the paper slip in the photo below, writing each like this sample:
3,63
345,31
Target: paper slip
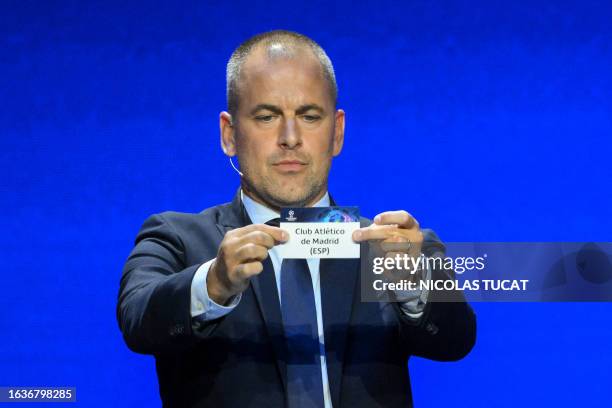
320,232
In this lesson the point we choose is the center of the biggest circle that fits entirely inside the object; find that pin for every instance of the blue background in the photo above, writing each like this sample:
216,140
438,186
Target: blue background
487,120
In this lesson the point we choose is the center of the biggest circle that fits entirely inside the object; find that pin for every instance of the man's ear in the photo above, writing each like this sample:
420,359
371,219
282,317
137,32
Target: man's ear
228,134
338,132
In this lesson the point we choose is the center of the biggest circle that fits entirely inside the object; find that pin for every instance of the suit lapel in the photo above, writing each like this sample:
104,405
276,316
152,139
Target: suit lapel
266,293
338,283
263,286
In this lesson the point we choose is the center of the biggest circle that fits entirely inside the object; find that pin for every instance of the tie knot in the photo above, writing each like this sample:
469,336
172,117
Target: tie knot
274,222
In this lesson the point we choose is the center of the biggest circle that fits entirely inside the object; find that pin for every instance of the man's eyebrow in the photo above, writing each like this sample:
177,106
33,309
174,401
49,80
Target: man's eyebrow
311,106
278,111
264,106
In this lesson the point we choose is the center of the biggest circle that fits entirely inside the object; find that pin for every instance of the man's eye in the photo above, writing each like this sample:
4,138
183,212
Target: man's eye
311,118
264,118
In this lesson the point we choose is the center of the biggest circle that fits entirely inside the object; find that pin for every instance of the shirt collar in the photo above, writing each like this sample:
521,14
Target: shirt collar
260,214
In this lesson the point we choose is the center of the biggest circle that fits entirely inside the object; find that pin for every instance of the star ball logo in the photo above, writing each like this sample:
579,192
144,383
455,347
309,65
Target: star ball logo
291,216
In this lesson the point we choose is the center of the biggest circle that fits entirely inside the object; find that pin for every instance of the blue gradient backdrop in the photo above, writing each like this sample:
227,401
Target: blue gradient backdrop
488,120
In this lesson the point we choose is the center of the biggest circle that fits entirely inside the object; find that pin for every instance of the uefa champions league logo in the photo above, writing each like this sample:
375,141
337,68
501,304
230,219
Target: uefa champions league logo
291,217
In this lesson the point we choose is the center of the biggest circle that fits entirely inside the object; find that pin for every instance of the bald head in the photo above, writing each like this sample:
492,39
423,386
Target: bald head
272,46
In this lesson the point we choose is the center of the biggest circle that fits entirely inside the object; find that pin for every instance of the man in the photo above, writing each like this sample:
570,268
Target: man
231,323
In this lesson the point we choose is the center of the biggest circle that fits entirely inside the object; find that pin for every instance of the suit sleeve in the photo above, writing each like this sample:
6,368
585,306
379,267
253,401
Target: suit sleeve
154,304
447,329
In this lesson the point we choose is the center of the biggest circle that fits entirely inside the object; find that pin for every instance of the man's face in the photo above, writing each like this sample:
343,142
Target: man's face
286,130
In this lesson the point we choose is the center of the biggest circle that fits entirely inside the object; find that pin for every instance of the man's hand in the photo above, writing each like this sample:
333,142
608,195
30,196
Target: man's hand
397,232
239,258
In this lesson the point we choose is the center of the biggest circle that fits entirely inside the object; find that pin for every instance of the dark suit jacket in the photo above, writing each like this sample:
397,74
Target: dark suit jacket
237,360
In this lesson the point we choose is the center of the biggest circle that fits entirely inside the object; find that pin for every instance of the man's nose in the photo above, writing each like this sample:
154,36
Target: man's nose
289,137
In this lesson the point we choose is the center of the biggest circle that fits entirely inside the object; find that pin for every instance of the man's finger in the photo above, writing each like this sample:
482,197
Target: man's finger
251,252
259,238
401,218
398,242
248,270
374,232
278,234
395,247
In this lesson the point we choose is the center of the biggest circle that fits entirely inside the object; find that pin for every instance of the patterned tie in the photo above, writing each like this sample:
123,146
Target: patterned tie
304,382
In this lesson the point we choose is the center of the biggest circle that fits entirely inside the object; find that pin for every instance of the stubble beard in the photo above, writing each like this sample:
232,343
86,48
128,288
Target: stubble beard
299,194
